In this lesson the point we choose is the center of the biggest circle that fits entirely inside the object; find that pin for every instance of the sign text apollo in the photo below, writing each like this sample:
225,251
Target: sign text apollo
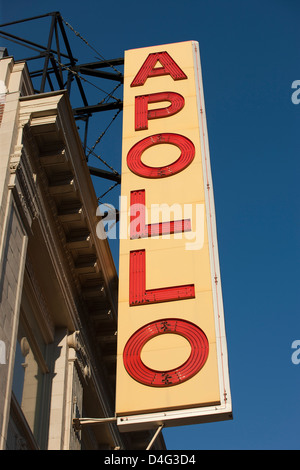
172,354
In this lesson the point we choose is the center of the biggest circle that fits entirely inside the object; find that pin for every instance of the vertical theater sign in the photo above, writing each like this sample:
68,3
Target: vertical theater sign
172,354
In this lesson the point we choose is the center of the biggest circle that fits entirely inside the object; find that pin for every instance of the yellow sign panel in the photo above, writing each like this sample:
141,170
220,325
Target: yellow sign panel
172,356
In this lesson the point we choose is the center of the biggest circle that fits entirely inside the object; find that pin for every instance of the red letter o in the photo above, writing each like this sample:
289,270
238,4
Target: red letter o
155,378
134,156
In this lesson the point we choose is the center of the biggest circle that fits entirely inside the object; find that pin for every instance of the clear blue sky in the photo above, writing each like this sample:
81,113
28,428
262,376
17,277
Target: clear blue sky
250,52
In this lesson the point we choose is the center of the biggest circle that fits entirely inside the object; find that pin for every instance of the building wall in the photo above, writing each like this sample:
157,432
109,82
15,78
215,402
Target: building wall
58,282
13,235
13,260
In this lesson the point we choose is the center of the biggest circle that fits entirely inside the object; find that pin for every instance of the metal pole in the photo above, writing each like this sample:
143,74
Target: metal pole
154,437
73,61
27,19
48,54
79,422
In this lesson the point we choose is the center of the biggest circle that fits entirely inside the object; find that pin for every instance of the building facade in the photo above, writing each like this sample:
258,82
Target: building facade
58,282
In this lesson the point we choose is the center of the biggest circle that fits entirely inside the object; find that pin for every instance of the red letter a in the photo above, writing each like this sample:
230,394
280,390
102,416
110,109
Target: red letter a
148,69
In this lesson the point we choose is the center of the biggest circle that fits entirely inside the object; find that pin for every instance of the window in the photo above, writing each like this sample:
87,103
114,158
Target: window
31,380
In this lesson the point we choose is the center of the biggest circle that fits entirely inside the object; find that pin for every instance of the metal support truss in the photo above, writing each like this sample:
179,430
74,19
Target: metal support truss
60,68
105,174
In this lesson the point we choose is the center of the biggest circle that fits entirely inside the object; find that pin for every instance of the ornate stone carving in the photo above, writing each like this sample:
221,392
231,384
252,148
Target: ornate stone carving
74,342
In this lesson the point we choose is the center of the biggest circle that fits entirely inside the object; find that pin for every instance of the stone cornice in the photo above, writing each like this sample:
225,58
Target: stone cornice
66,209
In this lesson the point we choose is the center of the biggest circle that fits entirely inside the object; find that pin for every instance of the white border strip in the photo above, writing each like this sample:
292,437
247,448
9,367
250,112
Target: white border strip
212,236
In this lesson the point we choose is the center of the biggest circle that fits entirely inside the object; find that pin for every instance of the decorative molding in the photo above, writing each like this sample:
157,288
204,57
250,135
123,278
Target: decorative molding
23,184
74,342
